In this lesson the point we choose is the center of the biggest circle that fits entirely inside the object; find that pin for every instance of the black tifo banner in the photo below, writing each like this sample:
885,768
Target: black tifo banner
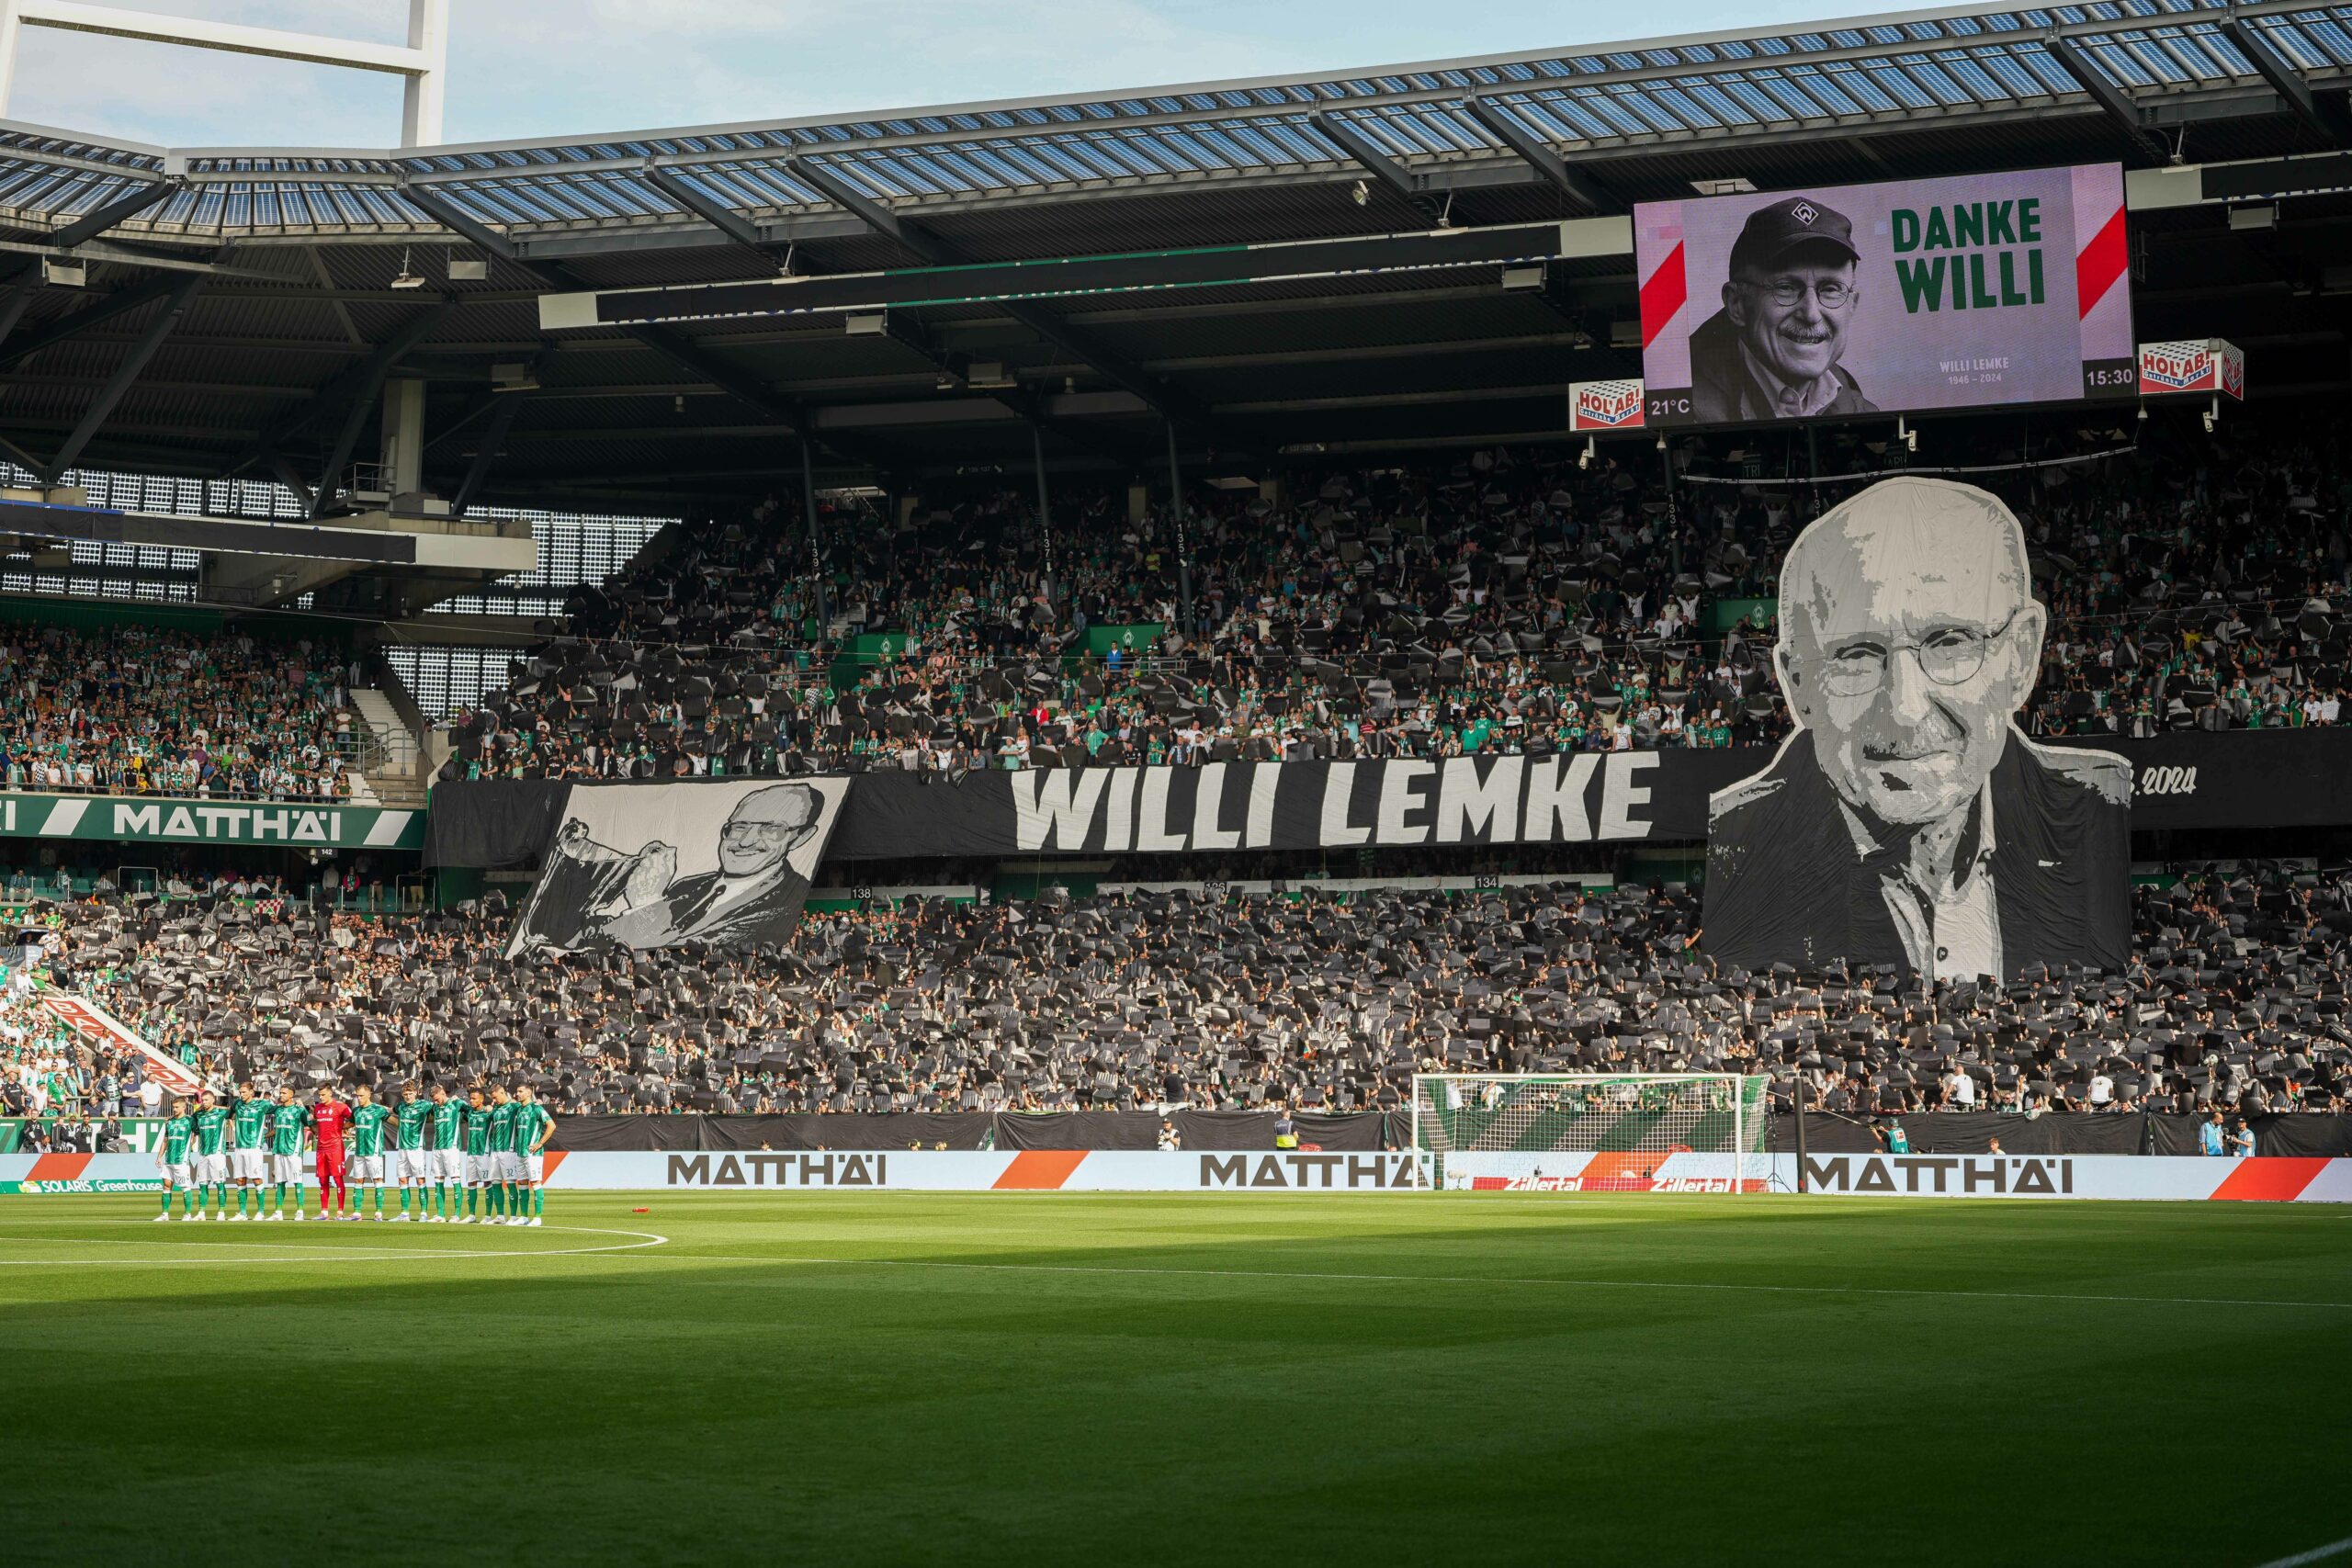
2193,779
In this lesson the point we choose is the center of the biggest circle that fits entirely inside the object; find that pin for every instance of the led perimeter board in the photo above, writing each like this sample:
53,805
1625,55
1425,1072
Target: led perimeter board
1897,298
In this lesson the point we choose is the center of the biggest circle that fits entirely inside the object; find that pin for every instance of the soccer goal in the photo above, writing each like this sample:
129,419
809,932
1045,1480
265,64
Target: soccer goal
1591,1133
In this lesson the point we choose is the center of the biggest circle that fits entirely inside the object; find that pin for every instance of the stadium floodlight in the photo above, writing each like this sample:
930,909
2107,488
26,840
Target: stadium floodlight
1360,192
875,323
468,269
1592,1131
62,272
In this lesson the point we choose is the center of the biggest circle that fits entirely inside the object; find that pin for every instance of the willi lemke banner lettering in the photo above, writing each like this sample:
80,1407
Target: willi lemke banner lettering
1459,800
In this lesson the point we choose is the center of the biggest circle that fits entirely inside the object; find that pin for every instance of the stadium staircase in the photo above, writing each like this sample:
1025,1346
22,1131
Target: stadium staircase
387,766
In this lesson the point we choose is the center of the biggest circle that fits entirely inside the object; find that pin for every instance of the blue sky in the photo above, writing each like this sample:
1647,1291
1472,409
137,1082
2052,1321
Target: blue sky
540,68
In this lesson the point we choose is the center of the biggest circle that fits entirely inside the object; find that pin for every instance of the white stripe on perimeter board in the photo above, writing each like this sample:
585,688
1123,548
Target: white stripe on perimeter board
63,817
2316,1555
389,827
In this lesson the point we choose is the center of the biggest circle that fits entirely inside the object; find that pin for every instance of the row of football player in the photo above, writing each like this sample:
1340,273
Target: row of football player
482,1158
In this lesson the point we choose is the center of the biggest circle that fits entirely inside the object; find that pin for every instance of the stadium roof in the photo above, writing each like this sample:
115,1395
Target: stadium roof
290,283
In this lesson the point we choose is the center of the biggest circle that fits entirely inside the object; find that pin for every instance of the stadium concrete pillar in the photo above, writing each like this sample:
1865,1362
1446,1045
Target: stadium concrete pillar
1673,508
403,452
1044,507
422,64
809,514
1183,544
424,92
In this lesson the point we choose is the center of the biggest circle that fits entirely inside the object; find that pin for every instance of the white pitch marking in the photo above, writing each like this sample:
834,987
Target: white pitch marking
315,1252
1506,1279
2316,1555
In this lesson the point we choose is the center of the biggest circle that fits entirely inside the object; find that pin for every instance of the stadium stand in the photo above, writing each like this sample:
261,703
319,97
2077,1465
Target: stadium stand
1153,999
1380,543
142,711
1501,602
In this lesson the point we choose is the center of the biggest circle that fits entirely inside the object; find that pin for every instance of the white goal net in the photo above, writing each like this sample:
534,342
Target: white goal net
1591,1133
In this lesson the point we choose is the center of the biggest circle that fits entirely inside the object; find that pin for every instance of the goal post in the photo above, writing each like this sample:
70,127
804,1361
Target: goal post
1592,1131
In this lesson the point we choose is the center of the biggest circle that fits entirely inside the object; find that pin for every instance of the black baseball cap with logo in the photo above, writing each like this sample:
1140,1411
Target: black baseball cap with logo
1773,233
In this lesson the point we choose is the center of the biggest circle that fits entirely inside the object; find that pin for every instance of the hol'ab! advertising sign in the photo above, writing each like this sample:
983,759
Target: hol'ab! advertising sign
1851,300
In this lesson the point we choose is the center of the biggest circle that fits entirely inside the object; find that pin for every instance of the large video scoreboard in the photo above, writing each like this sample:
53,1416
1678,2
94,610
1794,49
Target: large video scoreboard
1899,298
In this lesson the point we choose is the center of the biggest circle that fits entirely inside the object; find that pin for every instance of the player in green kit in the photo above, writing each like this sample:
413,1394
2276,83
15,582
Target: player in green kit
446,1138
478,1116
172,1157
211,1119
368,1125
289,1122
505,1169
248,1147
413,1161
532,1128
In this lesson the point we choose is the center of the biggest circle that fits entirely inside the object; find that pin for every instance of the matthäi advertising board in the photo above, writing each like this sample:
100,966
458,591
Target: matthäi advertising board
1294,1171
160,819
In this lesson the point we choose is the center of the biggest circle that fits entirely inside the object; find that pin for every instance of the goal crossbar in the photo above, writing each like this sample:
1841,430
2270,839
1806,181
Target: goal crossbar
1590,1132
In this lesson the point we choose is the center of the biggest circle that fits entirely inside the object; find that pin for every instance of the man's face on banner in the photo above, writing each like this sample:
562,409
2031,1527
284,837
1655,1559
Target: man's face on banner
1793,315
1909,641
765,826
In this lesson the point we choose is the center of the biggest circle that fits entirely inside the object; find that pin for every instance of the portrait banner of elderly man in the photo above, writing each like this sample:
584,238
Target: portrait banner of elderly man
647,866
1906,820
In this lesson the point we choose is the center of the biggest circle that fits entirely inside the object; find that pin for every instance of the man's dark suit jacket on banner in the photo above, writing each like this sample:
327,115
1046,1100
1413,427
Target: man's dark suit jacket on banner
1785,881
767,913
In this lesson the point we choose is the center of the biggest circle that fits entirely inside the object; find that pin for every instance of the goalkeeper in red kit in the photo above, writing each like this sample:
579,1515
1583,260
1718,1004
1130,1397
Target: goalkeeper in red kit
330,1123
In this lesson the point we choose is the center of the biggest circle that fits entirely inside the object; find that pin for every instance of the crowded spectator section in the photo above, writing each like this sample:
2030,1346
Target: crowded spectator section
1145,1000
1511,600
137,710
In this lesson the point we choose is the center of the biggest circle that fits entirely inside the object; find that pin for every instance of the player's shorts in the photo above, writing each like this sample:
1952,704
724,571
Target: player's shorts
416,1164
248,1165
211,1170
285,1168
478,1171
367,1169
506,1165
179,1175
332,1158
535,1169
448,1165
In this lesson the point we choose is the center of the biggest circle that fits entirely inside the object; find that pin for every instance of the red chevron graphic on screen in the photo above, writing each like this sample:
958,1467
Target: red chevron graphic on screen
2096,270
1663,293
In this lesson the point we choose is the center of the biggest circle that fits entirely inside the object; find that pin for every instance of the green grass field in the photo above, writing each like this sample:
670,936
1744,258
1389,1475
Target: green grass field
1427,1378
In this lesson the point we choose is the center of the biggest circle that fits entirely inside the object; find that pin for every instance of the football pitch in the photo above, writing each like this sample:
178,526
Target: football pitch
1063,1378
